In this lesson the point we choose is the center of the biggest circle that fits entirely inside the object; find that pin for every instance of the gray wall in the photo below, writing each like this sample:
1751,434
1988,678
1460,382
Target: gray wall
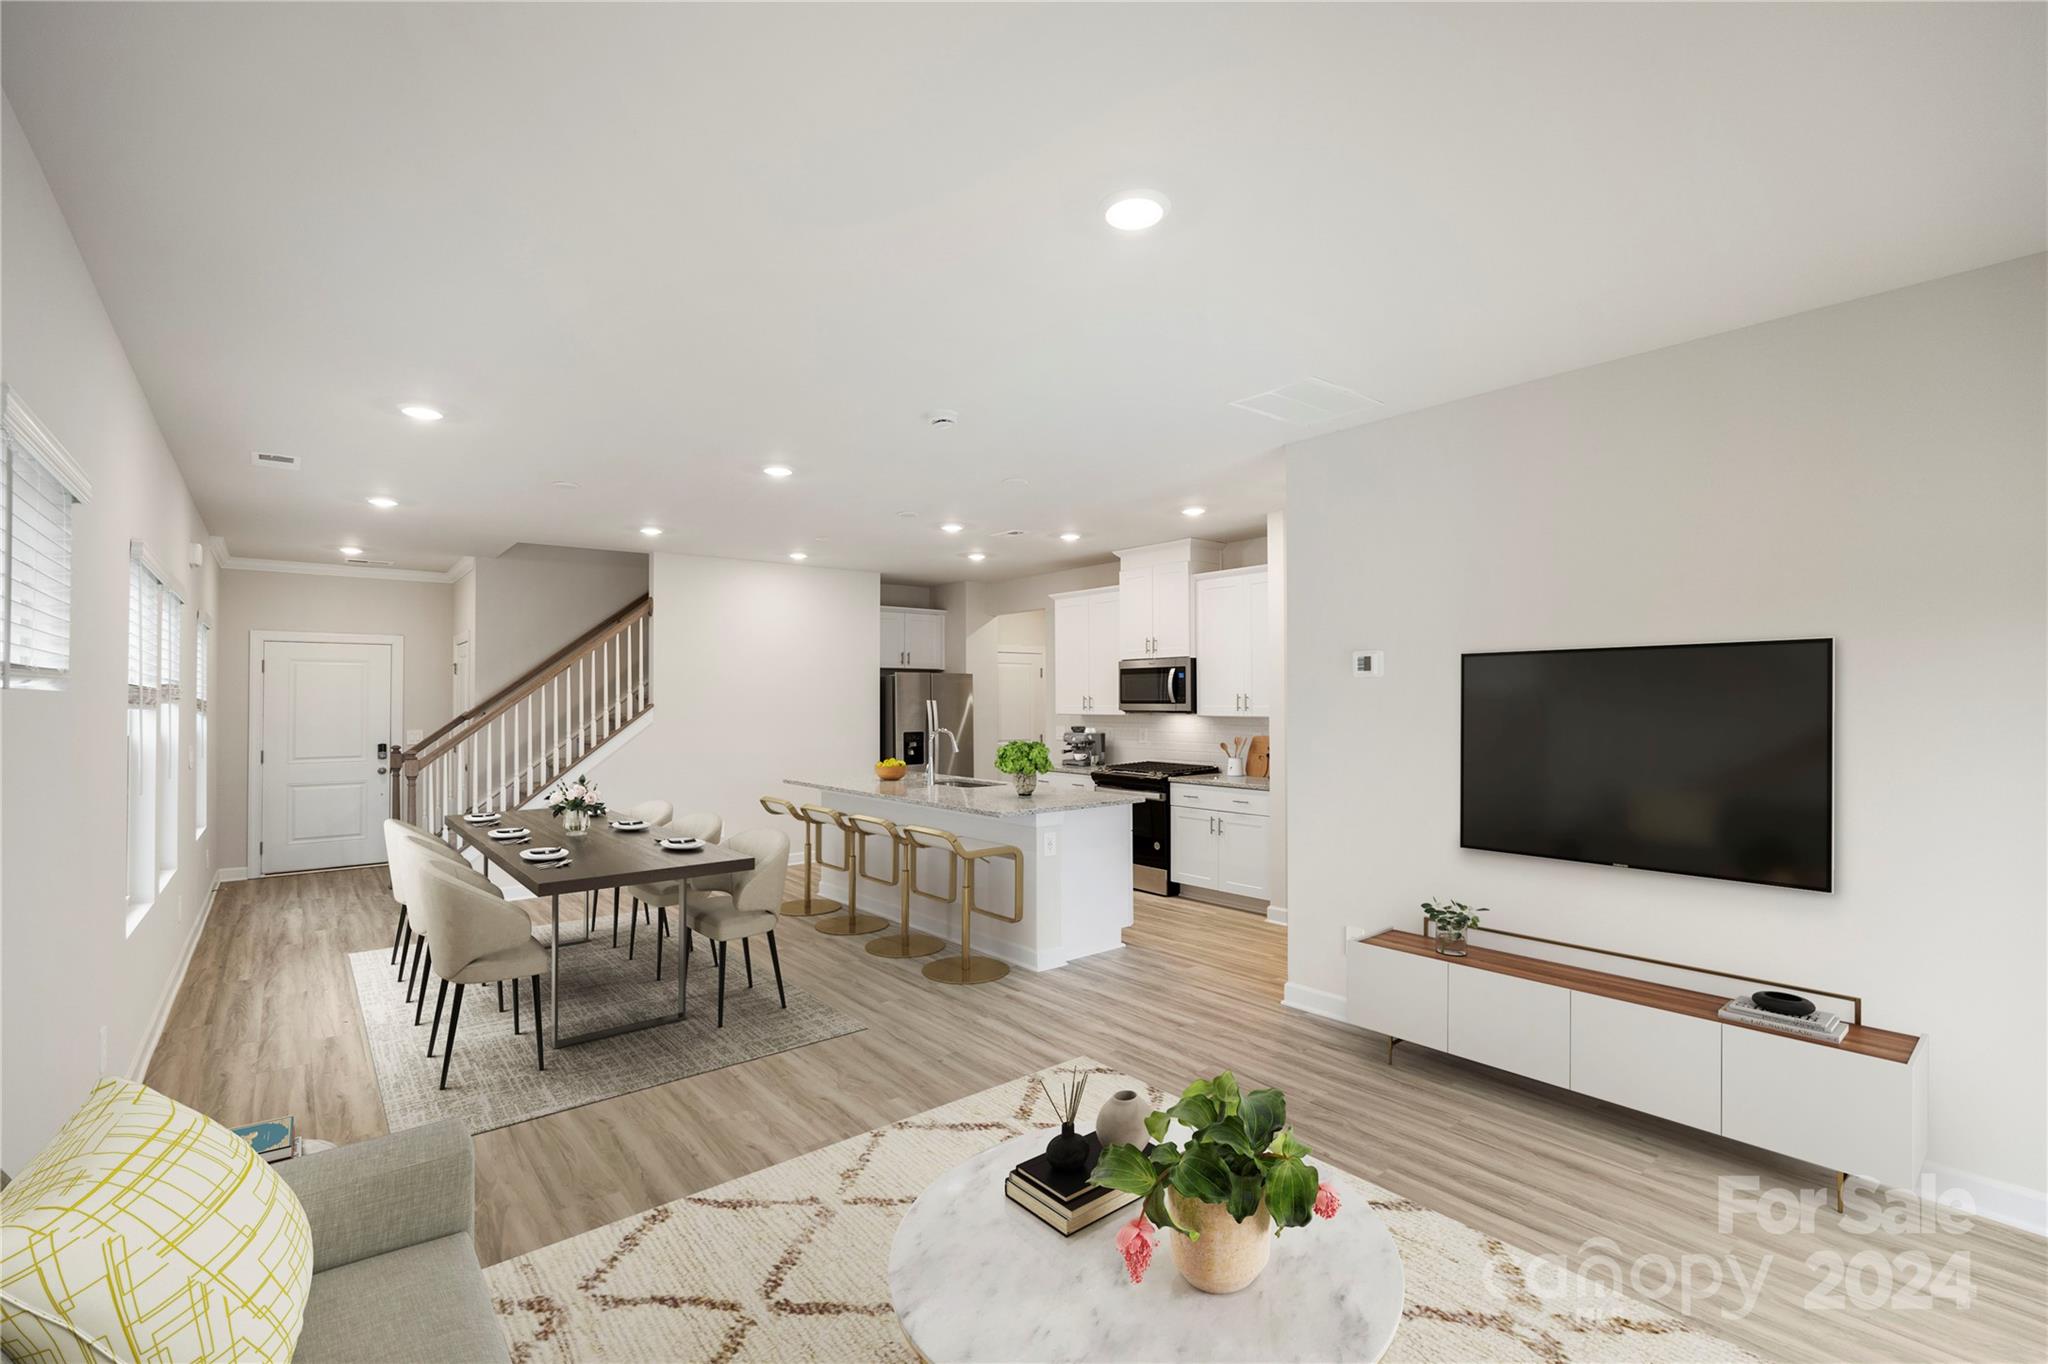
1872,472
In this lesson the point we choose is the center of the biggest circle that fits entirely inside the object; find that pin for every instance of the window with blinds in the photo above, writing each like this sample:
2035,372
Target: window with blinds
35,570
202,637
155,616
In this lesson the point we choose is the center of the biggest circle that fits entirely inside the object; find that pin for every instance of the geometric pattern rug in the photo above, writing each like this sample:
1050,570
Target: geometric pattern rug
493,1081
791,1263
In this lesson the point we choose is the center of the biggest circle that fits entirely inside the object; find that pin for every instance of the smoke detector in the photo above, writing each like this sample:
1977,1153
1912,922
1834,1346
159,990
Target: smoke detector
941,417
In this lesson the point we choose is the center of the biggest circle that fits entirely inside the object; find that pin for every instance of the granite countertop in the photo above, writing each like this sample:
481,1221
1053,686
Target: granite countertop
1218,779
992,802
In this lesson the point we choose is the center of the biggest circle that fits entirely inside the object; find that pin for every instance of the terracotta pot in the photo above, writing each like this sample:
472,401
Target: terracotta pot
1121,1120
1229,1255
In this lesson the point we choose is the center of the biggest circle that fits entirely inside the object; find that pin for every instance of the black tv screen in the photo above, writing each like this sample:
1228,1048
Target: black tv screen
1703,759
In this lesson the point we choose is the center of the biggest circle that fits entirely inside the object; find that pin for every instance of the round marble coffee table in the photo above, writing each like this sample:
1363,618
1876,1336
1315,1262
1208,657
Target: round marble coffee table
975,1279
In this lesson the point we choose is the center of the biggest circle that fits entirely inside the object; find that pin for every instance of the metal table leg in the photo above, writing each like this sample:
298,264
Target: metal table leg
555,975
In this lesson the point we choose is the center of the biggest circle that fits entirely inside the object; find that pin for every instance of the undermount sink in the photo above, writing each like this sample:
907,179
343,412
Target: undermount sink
963,781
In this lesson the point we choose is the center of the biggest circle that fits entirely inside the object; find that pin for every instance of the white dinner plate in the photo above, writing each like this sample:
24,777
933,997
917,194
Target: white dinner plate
481,817
509,835
683,844
543,854
629,826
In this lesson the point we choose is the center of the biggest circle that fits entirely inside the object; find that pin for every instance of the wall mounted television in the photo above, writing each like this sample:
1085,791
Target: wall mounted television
1702,759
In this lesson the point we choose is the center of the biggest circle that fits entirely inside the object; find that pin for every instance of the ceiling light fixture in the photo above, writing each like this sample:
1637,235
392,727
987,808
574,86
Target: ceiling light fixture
420,412
382,503
1135,210
1070,536
650,531
977,556
564,483
952,528
1192,511
798,555
778,470
350,551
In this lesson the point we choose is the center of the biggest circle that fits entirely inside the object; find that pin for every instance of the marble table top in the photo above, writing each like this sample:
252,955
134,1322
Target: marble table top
977,1280
1000,801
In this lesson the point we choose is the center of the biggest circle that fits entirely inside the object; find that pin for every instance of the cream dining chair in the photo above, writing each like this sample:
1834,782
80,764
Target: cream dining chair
399,836
478,939
657,813
750,905
661,894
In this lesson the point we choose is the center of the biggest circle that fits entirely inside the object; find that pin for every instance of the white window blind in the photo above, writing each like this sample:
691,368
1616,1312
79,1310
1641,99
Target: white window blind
35,559
202,636
154,616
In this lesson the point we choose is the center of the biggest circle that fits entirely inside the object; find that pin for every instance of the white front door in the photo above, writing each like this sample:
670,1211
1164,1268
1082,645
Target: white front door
326,727
1020,696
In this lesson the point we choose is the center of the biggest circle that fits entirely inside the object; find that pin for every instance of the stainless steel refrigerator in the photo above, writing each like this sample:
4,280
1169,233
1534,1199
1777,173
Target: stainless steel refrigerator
905,724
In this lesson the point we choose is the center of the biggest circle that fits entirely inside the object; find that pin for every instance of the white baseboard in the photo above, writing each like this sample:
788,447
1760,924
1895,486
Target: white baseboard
2015,1205
147,1051
1276,914
1308,999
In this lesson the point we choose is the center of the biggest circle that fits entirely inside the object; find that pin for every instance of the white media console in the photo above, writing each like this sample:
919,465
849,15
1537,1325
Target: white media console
1858,1107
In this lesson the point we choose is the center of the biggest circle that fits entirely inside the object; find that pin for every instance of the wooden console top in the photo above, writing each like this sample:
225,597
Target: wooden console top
1873,1042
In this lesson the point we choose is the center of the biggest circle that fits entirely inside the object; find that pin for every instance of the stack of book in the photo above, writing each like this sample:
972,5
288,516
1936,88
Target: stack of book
275,1139
1066,1203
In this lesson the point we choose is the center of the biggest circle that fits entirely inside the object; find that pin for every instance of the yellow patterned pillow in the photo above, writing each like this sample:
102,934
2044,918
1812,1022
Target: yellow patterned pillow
144,1232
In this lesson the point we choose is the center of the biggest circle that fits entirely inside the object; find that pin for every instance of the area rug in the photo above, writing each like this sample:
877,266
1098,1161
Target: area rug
493,1081
791,1263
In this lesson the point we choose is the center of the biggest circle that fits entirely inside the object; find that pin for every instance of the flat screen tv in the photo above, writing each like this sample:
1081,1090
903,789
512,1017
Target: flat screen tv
1702,759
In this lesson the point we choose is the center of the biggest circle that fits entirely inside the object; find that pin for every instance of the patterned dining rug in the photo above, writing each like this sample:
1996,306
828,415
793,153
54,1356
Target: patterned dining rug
791,1263
493,1081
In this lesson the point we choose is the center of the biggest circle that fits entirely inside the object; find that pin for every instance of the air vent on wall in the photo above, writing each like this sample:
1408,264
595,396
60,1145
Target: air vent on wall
368,563
1307,402
1009,534
269,460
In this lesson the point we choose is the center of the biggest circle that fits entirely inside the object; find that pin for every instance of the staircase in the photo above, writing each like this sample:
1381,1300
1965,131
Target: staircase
510,747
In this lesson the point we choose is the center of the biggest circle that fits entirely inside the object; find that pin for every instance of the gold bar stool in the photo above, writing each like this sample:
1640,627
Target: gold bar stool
814,826
853,923
968,969
907,941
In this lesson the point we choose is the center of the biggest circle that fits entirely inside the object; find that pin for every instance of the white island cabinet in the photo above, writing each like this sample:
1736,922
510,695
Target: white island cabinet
1076,845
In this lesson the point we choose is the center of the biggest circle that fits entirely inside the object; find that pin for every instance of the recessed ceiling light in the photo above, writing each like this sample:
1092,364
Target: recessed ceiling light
350,551
650,530
977,556
1135,210
952,528
1016,482
420,412
778,470
1070,536
1192,511
564,483
798,555
382,503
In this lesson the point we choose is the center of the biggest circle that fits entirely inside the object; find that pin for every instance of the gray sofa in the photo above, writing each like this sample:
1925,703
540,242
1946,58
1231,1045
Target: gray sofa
395,1275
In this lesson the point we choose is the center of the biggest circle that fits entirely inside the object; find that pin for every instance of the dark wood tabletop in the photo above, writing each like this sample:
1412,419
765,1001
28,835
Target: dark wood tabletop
598,860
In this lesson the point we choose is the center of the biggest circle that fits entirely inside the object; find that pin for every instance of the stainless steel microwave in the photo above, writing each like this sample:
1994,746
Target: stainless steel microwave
1156,684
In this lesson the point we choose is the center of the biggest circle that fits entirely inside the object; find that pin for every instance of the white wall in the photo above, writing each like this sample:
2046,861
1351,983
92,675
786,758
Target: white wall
532,599
66,968
422,613
1871,472
761,672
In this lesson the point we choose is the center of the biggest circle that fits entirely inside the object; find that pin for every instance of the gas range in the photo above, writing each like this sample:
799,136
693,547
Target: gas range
1151,818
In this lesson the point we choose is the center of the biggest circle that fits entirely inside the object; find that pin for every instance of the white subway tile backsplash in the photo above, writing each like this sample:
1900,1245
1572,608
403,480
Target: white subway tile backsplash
1172,738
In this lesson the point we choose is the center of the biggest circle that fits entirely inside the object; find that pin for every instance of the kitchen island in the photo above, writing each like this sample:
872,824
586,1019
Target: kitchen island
1077,861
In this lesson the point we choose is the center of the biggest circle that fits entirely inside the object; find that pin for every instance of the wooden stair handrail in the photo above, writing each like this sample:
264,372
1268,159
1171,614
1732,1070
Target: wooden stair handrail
528,682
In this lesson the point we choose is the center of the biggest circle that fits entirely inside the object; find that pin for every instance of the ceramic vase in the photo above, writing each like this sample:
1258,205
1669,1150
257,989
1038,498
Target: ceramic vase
1026,782
1121,1121
1068,1152
1229,1254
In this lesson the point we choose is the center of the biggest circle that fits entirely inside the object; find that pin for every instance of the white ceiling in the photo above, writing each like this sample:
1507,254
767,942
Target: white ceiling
651,248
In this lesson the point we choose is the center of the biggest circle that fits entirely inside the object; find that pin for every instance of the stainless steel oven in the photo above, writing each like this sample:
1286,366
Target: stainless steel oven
1156,684
1152,819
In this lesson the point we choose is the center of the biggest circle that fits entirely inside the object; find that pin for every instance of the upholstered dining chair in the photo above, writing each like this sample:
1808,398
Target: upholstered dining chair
404,846
658,814
478,939
658,895
750,905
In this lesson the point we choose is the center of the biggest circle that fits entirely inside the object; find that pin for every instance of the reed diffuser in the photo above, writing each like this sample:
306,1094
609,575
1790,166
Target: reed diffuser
1069,1151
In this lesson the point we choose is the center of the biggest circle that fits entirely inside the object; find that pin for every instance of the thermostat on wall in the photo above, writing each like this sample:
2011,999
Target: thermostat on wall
1368,662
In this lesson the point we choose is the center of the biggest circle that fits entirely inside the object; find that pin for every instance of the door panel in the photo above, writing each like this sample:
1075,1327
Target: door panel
1070,657
1194,848
1170,629
1256,670
1134,613
892,640
924,641
1242,856
326,709
1219,670
1102,628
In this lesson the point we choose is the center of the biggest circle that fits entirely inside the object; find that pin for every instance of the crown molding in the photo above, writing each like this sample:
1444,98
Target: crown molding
23,426
460,568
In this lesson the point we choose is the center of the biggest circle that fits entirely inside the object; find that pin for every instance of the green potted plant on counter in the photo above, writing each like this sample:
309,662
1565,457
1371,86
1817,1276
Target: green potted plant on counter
1240,1178
1022,760
1452,921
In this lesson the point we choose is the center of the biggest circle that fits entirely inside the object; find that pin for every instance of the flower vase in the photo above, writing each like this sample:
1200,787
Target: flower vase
1068,1152
1026,782
576,823
1228,1254
1121,1120
1450,943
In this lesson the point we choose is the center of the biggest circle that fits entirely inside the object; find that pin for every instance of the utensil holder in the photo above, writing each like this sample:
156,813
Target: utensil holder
1234,767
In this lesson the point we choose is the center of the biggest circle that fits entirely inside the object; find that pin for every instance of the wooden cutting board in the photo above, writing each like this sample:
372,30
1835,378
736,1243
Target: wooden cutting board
1258,759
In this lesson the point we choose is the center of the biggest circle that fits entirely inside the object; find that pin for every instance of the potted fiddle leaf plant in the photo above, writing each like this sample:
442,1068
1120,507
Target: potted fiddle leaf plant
1240,1178
1452,921
1022,760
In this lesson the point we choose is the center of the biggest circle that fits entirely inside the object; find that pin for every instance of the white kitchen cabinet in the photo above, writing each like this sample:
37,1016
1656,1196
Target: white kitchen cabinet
1155,605
1232,671
913,638
1242,851
1221,839
1084,652
1194,860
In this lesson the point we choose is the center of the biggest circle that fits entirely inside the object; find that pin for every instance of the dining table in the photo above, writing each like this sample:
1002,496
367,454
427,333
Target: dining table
601,858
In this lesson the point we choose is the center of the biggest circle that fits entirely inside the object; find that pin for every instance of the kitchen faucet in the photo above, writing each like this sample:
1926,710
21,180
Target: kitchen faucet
931,759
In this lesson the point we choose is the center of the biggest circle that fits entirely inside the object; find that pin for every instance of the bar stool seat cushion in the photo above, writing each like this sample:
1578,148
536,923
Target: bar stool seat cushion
715,914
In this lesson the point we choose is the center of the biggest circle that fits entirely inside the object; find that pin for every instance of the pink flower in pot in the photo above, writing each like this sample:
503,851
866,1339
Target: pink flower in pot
1135,1242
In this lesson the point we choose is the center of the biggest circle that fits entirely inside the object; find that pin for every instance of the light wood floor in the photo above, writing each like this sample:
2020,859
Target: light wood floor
266,1023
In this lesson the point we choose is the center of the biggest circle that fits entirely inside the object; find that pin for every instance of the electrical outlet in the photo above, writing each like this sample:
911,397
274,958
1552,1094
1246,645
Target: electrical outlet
1051,843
